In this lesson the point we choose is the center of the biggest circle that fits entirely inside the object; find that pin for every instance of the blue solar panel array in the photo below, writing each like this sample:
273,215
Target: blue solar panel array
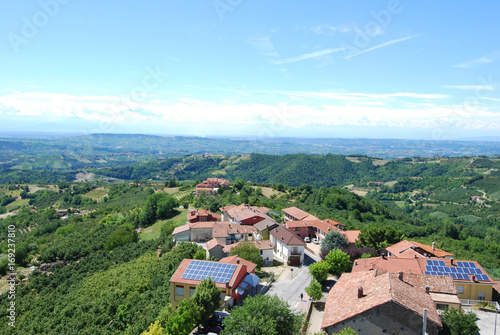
461,271
219,272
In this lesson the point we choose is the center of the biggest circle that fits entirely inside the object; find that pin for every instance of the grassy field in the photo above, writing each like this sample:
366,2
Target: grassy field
153,232
17,204
171,190
495,196
267,191
438,214
98,193
400,204
470,218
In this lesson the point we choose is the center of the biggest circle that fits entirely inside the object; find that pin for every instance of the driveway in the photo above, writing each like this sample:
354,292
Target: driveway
290,285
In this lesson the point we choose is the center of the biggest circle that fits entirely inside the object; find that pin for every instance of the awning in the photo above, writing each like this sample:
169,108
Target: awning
252,279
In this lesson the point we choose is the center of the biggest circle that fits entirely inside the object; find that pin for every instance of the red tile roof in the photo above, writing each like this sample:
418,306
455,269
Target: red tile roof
181,229
214,243
238,261
404,245
198,213
387,264
238,273
202,225
343,303
351,235
286,236
224,229
436,252
298,213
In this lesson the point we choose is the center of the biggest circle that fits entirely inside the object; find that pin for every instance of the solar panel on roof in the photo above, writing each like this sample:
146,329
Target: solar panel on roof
219,272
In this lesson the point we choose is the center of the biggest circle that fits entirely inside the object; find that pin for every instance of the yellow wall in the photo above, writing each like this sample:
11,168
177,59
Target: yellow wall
471,291
176,299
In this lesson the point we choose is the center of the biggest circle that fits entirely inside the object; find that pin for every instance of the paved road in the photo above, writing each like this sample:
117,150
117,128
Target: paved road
289,289
486,322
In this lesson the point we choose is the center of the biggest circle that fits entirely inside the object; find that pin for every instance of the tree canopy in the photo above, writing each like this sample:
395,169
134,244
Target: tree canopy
378,238
338,261
458,322
262,315
249,252
334,240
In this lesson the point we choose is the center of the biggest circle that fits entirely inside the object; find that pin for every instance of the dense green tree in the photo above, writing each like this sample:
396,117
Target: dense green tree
200,254
154,329
338,261
207,298
314,290
121,236
458,322
248,251
262,315
319,271
184,319
334,240
378,238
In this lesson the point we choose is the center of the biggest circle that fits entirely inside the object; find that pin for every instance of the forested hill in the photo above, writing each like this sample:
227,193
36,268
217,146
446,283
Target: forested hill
302,169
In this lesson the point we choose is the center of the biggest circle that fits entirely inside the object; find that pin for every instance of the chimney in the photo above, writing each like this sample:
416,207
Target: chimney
451,261
360,292
427,289
433,246
473,277
383,255
400,275
237,261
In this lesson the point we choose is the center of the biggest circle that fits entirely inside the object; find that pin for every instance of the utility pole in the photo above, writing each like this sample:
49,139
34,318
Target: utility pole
424,324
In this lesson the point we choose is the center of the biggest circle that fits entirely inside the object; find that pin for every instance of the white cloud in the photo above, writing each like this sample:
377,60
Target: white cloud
264,46
326,29
385,44
491,57
306,56
356,109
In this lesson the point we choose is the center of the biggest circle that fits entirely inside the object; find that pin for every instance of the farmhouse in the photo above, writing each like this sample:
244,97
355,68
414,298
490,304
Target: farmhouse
211,185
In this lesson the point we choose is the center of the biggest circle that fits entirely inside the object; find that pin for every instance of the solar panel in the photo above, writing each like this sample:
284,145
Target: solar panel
199,270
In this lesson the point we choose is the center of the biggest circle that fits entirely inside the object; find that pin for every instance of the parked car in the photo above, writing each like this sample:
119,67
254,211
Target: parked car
315,240
307,239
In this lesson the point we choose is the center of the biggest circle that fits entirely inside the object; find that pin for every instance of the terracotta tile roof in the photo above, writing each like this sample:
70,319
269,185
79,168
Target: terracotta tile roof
265,224
298,224
410,253
177,276
181,229
213,243
343,303
239,261
351,235
387,264
436,252
224,229
221,230
202,225
197,213
453,263
247,214
298,213
261,245
404,245
286,236
399,247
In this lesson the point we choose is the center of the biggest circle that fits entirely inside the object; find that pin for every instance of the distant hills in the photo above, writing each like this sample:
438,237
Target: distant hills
107,150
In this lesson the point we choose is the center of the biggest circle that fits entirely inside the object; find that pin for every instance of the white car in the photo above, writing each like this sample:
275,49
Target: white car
307,239
315,240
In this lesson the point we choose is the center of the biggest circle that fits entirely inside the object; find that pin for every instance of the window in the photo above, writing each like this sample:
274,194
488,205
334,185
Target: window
179,291
297,229
261,252
191,291
480,296
460,289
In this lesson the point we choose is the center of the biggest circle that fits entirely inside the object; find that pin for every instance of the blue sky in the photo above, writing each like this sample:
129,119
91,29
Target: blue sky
377,69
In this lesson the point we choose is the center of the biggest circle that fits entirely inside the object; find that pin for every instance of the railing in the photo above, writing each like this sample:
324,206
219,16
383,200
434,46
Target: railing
469,302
